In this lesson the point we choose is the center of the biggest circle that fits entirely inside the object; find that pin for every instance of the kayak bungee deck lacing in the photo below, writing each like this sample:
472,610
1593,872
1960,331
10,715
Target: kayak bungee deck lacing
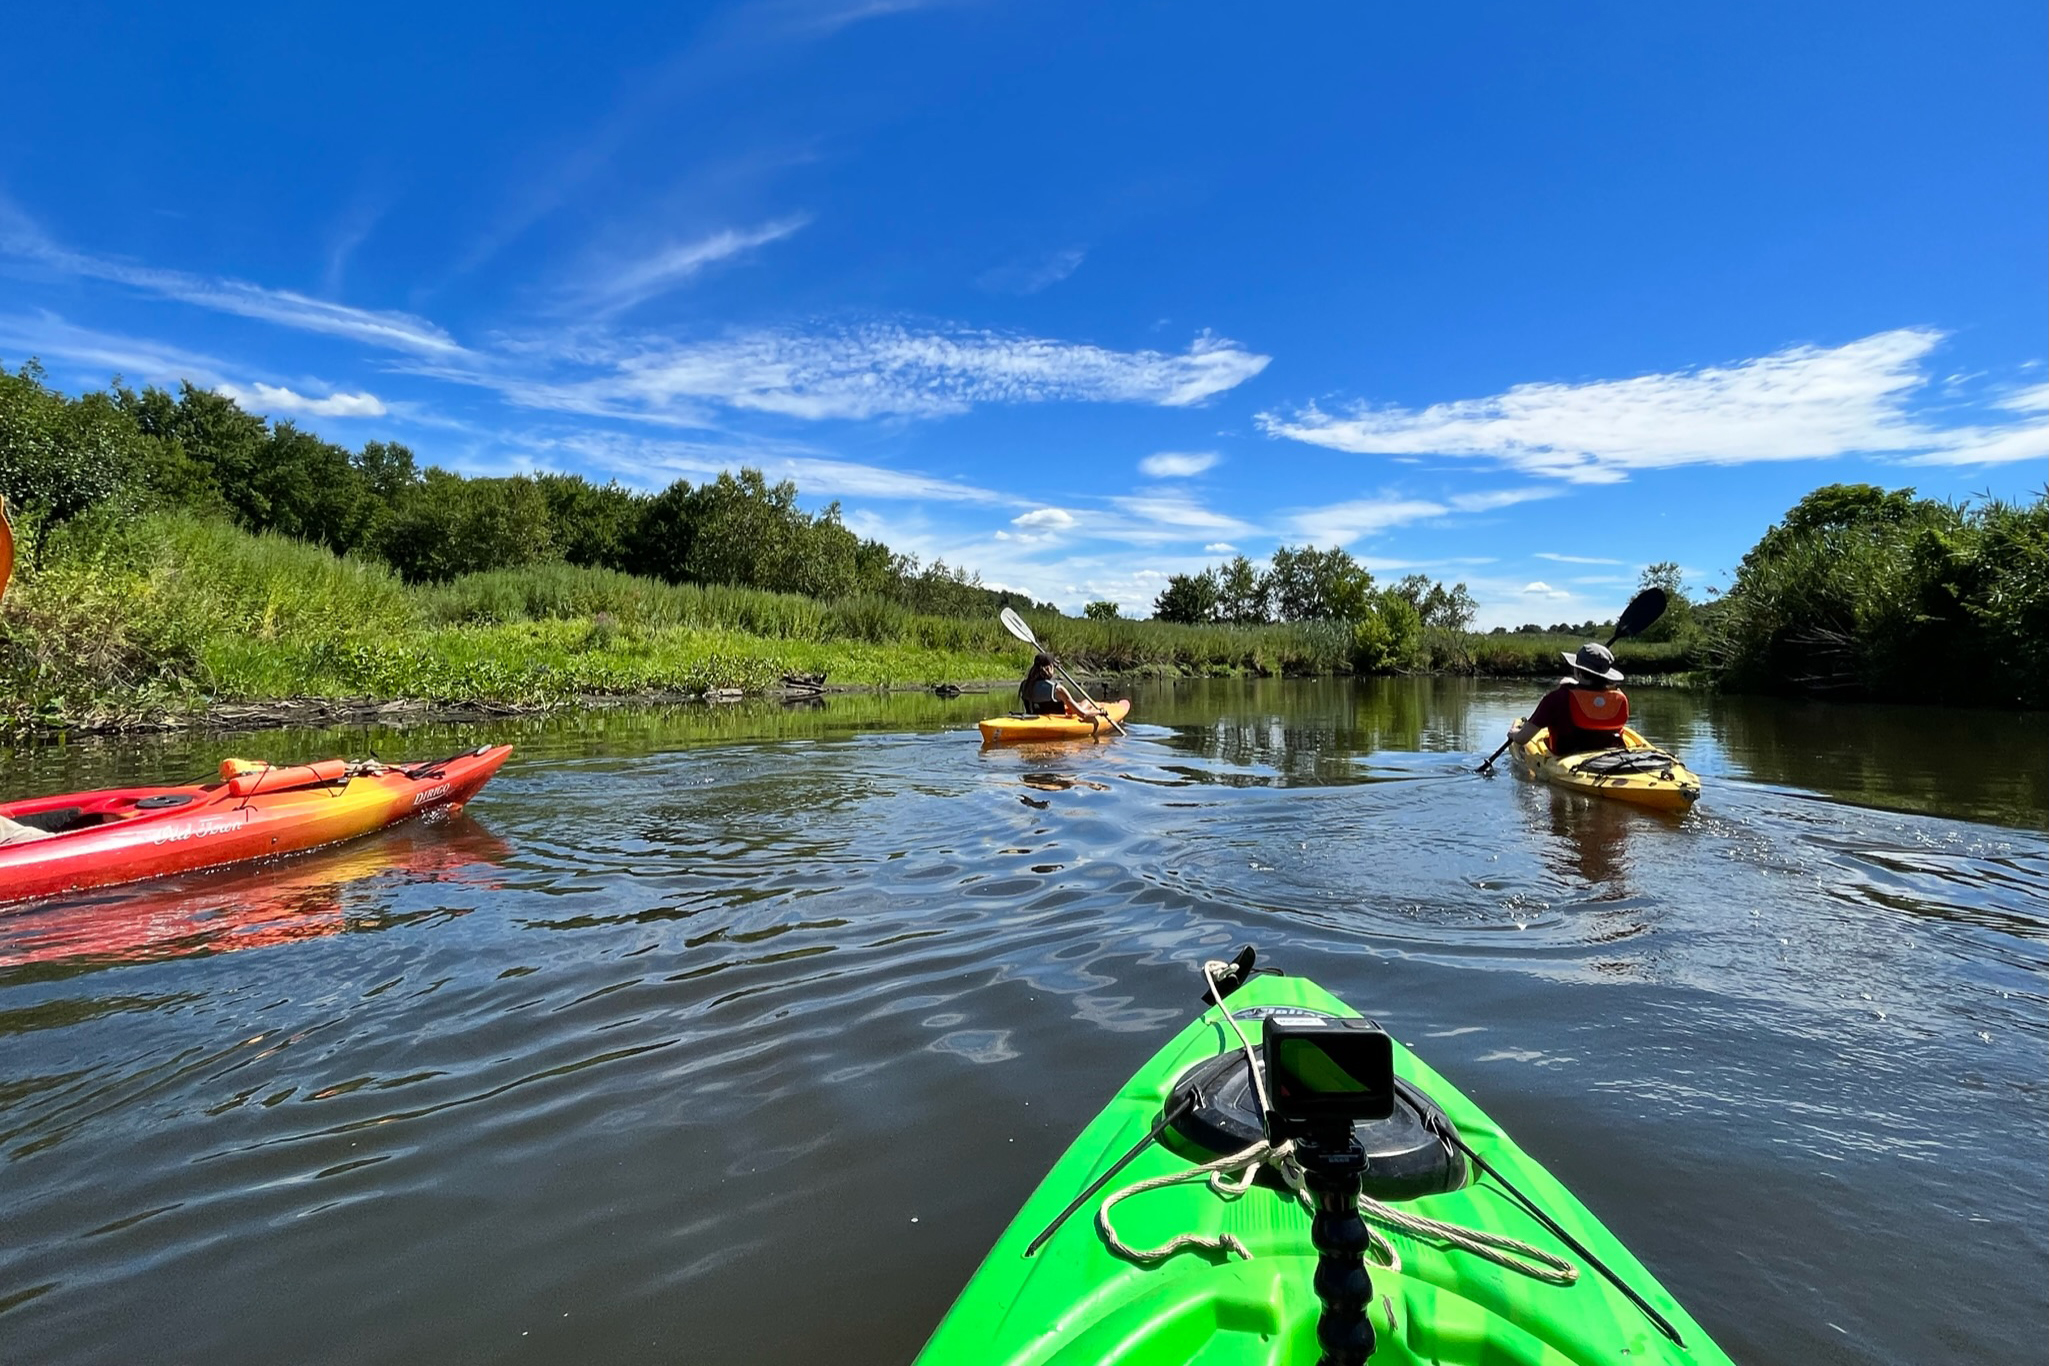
1232,1176
1627,761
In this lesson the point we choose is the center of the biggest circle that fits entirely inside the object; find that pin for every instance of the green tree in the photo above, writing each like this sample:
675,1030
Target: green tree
659,544
1319,585
591,524
450,526
1437,607
311,489
1190,599
1101,610
388,470
58,456
212,431
1242,593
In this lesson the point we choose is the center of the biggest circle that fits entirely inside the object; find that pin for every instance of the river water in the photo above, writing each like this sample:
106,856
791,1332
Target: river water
739,1035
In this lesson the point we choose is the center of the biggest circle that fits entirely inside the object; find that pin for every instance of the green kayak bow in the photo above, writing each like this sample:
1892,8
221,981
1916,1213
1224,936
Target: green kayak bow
1177,1229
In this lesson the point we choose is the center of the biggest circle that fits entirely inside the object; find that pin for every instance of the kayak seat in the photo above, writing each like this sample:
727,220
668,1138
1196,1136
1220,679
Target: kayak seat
58,819
1405,1157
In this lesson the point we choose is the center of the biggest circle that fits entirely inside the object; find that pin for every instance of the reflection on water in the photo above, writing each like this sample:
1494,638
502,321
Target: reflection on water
249,907
693,1013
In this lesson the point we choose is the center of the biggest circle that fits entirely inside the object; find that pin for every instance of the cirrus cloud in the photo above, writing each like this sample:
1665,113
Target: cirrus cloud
1801,403
884,370
620,286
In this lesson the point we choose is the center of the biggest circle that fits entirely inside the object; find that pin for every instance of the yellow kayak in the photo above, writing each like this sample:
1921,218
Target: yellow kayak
1639,772
1018,730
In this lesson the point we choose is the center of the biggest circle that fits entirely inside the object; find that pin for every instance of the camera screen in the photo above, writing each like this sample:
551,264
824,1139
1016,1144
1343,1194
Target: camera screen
1327,1071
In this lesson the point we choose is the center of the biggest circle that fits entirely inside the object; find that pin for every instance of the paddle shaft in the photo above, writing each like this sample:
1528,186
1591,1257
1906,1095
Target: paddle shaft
1086,698
6,547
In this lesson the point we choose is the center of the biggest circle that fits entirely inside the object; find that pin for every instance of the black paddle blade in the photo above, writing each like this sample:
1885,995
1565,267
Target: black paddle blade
1645,608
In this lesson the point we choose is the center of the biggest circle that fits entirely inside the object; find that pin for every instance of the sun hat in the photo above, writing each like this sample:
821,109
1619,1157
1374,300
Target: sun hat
1595,661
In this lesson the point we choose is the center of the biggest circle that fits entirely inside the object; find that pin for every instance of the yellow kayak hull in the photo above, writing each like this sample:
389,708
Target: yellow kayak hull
1022,730
1670,787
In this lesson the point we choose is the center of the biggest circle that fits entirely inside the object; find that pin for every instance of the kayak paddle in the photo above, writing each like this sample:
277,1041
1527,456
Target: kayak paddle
1645,608
1015,624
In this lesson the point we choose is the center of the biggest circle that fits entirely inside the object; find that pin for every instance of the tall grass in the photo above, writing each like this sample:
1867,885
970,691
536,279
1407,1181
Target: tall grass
112,623
565,592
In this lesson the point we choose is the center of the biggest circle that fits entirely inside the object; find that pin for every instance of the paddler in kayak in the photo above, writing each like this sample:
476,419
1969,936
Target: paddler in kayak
1584,712
1045,695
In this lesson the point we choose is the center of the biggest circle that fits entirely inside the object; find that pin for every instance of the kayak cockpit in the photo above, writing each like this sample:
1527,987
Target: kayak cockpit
48,817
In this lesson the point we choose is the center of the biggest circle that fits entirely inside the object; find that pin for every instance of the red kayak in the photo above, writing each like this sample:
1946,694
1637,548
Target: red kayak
90,839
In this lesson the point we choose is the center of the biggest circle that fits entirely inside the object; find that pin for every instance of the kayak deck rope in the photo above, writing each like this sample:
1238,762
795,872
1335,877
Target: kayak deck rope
1628,761
1230,1177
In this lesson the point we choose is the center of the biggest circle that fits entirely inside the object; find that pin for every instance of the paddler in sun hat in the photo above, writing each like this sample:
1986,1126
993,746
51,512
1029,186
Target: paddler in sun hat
1584,712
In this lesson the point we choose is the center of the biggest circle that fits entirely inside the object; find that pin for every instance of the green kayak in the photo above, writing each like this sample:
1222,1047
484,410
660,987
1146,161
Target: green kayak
1513,1270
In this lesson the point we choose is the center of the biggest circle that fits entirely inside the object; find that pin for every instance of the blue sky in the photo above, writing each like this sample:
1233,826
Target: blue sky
1082,295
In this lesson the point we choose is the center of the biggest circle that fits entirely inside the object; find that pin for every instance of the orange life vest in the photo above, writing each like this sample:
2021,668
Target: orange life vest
1598,708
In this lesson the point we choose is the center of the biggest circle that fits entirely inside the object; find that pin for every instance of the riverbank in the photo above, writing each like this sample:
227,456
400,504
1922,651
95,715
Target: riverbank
171,620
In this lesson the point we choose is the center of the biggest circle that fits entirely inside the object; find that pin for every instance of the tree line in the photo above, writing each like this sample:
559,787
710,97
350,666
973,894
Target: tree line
122,451
1306,584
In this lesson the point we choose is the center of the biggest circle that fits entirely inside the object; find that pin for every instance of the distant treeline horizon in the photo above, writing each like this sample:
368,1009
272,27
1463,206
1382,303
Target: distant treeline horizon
1858,592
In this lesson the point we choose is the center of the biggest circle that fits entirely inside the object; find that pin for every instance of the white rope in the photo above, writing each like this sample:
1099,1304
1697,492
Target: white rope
1218,1174
1512,1253
1498,1248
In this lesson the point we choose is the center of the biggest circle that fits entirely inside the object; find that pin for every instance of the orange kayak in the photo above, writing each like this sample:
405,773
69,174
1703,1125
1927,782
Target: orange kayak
1018,730
91,839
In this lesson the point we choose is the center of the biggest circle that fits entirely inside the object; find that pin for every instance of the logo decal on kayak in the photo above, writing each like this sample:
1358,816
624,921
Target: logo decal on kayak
432,794
199,829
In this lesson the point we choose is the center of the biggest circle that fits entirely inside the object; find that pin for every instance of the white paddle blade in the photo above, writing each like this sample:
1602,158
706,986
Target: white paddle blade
1015,624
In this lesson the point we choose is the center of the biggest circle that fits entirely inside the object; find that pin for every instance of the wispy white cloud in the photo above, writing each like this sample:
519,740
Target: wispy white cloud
1178,464
101,354
1573,559
1998,445
19,237
1540,589
273,398
880,370
1044,519
1802,403
622,285
1342,523
651,463
1179,514
821,17
1220,548
1031,274
853,373
1493,500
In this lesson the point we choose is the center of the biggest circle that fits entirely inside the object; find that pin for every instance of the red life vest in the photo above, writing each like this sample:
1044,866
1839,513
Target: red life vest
1598,708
